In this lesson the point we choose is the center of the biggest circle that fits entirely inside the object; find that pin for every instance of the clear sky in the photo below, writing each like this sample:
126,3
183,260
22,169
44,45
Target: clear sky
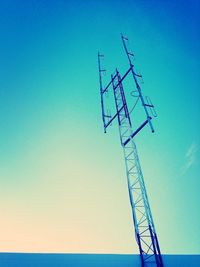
62,180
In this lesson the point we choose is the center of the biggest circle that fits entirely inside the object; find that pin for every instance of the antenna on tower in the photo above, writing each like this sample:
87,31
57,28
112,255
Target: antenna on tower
145,232
135,75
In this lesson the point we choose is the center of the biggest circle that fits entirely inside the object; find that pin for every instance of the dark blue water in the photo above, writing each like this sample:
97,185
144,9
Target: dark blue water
66,260
89,260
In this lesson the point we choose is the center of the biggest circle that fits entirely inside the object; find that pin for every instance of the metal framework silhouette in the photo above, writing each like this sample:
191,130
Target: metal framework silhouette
145,232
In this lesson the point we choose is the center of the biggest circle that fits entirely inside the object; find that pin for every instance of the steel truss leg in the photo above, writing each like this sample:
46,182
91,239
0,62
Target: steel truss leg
144,227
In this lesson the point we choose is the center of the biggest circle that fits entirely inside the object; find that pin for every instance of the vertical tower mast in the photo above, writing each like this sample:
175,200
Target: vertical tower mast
143,221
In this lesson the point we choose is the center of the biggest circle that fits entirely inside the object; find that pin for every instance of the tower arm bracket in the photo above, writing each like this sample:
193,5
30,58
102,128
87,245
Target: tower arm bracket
110,121
136,131
113,78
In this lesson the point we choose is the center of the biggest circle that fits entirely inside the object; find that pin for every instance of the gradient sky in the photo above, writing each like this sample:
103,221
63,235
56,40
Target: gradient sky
62,180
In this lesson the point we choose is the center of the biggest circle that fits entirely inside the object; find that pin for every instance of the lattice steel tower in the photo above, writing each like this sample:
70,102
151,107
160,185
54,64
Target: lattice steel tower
143,221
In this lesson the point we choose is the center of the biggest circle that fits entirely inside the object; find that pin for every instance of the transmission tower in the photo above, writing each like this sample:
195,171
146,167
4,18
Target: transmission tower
145,232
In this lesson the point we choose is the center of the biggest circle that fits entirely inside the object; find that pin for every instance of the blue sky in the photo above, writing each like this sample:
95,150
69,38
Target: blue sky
63,184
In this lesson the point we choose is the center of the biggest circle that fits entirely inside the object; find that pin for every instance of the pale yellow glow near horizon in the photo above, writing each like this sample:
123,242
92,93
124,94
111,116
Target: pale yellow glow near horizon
58,200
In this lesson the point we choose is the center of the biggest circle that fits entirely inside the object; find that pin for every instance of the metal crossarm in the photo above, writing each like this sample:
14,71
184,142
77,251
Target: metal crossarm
137,131
111,120
113,77
141,213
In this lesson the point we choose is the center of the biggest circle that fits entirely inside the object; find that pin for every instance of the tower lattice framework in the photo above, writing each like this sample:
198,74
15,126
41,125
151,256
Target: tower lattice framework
145,232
